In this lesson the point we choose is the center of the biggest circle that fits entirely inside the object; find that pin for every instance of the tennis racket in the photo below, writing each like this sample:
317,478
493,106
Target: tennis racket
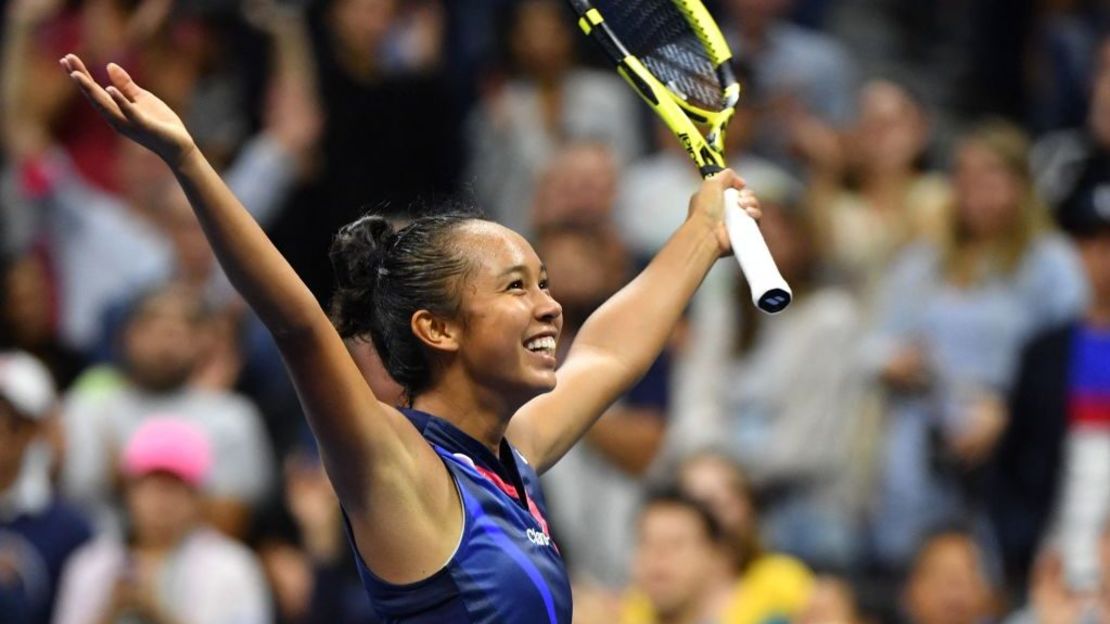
673,54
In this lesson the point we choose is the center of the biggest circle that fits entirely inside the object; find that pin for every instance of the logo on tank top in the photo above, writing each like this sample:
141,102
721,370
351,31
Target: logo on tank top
539,538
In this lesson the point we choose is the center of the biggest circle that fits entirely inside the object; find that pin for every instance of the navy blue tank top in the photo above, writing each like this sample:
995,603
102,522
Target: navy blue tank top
507,569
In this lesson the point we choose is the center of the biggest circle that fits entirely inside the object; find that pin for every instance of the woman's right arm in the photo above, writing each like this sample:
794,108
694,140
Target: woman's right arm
379,464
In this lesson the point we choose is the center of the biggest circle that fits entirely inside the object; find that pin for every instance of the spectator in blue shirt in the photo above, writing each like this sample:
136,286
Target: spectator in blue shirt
37,533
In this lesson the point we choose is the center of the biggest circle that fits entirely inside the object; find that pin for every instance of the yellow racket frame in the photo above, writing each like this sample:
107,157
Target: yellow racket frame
682,117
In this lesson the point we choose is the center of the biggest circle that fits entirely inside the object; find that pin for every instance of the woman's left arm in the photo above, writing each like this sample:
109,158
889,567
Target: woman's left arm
623,337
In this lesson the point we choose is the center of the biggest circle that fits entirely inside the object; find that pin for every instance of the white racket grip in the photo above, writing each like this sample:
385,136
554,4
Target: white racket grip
770,292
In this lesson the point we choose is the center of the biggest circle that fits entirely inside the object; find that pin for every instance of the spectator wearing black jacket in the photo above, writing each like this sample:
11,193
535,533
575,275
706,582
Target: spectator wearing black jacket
1052,477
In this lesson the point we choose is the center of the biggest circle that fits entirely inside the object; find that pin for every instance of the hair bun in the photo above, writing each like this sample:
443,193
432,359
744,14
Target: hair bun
358,250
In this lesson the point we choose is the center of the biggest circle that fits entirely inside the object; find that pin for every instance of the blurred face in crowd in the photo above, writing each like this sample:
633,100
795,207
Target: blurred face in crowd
1095,253
161,342
579,186
27,307
946,585
891,131
1099,116
541,42
360,26
716,483
988,194
758,13
676,559
584,266
162,508
16,433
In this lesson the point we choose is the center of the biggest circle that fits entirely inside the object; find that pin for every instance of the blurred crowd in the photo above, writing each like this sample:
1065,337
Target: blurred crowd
923,436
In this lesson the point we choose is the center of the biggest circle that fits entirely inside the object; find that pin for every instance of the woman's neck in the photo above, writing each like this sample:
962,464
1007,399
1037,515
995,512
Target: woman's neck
478,412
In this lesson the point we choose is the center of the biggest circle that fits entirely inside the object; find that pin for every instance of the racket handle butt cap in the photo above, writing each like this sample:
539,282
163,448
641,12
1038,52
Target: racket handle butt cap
770,292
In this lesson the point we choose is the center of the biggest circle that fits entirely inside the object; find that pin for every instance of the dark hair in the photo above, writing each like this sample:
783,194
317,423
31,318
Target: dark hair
384,274
940,531
671,496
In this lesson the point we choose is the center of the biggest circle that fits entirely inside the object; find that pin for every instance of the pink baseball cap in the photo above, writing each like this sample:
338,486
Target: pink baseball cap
170,445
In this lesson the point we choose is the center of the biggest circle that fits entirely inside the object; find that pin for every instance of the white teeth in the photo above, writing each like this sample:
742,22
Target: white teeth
545,343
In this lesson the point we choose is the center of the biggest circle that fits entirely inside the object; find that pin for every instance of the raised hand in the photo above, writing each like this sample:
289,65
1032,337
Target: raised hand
709,203
133,111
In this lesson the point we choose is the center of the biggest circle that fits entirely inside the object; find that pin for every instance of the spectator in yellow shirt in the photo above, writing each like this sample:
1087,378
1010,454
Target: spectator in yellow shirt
698,560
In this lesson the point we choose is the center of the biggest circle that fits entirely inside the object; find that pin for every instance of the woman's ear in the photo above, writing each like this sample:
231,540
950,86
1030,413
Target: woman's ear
435,332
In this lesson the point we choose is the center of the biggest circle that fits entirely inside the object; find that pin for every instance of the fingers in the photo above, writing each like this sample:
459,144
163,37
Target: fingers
749,203
727,178
125,105
122,81
97,96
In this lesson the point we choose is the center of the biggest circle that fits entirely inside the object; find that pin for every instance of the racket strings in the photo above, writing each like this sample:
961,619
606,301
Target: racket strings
656,32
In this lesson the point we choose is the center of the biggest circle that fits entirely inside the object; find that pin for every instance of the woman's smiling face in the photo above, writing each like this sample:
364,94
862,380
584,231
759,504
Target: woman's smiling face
508,323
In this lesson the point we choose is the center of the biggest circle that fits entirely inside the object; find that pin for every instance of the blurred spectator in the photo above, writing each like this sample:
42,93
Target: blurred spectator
1052,478
650,187
313,576
38,32
37,533
832,601
170,567
1056,596
768,586
586,264
870,192
1060,159
391,131
578,186
680,574
519,125
27,317
161,344
950,325
785,394
105,246
1066,39
801,73
947,583
650,191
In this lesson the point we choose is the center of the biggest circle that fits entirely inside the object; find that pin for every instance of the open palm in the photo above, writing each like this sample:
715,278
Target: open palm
133,111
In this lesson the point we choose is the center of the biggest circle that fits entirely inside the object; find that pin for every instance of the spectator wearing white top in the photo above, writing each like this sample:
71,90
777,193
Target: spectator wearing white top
519,126
172,568
37,533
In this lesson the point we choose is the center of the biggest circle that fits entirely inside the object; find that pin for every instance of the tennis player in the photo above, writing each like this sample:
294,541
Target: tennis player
445,514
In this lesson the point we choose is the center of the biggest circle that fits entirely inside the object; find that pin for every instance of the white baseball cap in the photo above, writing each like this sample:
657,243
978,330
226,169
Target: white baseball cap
26,384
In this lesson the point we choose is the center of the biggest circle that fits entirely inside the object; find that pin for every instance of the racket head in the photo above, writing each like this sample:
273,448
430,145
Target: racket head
673,54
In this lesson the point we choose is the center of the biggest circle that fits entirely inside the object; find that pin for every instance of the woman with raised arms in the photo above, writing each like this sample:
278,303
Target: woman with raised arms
442,496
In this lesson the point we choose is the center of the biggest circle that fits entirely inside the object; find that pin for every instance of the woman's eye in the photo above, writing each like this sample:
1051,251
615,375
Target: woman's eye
517,285
544,284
